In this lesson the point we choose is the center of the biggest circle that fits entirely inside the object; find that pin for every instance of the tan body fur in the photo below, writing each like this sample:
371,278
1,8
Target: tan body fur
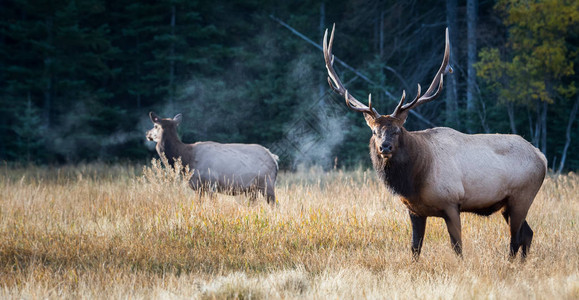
231,169
441,172
476,173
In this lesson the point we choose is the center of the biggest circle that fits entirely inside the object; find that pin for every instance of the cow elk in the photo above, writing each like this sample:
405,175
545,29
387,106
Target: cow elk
231,169
440,172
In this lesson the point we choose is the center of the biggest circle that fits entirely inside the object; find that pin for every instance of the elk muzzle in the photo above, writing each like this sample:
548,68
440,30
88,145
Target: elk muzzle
150,136
385,150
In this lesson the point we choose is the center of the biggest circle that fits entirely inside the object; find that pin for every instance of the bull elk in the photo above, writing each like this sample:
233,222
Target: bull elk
231,169
440,172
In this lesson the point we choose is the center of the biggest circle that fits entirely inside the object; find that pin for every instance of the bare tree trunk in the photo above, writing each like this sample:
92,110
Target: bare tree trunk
451,92
376,36
537,135
482,113
322,84
47,102
48,61
172,58
544,129
138,72
2,42
382,33
3,122
382,72
531,130
537,132
572,117
28,142
511,112
322,19
471,17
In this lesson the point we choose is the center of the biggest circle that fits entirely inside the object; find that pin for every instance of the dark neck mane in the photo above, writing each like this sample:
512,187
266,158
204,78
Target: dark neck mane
404,173
171,146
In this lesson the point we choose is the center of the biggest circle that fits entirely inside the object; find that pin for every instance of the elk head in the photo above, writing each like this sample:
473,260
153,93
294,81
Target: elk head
161,126
386,129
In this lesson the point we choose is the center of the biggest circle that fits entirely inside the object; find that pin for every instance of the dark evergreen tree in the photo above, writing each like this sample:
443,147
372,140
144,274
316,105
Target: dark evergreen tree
78,77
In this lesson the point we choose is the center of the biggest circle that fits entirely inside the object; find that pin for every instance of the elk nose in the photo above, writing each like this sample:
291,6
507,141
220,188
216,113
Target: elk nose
386,148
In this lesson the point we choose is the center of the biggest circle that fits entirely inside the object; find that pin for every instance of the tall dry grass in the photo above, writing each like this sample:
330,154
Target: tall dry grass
99,231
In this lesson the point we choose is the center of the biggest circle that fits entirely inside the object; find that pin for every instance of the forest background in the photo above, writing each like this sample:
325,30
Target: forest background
78,78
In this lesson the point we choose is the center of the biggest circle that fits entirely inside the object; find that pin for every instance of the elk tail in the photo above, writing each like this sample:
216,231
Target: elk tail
274,157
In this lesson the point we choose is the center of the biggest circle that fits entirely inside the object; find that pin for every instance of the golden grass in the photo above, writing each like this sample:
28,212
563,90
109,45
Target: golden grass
99,231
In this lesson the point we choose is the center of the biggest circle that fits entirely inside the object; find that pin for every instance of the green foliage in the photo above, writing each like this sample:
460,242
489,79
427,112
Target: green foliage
29,135
536,63
536,58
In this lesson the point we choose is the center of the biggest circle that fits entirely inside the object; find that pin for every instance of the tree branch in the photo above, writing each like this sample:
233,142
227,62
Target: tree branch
364,77
568,134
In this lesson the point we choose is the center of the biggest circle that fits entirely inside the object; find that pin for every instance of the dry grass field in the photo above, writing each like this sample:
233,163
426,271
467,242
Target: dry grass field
98,231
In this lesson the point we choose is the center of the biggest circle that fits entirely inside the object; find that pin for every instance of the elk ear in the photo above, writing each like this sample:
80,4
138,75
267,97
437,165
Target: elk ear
370,120
178,118
154,117
402,118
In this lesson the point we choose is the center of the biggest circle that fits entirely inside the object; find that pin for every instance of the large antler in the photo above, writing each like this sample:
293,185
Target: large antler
430,93
336,83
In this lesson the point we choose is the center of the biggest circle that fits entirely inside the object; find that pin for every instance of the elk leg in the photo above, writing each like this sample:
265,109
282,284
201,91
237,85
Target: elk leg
526,237
269,191
271,199
515,237
418,227
452,219
270,195
252,196
195,185
267,188
523,236
506,215
521,233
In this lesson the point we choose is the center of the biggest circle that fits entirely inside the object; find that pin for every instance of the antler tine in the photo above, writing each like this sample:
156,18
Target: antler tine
413,102
362,108
437,83
335,82
444,67
399,106
426,98
335,89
